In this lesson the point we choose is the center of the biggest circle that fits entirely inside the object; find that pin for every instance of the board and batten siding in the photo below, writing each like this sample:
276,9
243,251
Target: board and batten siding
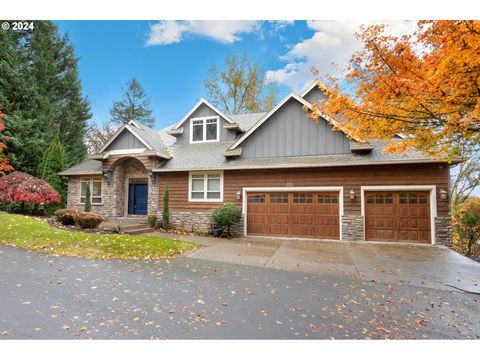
315,95
126,140
351,178
205,111
289,132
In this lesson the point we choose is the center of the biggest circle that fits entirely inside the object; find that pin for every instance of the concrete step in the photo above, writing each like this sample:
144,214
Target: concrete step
142,230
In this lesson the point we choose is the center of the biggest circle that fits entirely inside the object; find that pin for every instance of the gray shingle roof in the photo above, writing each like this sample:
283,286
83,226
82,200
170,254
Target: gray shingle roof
89,167
153,138
246,121
210,156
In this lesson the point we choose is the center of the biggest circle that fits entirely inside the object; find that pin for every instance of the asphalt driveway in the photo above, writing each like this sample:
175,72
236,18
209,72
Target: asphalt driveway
421,265
50,297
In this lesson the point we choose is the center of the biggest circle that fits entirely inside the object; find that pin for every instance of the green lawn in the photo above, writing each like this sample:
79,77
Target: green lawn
36,234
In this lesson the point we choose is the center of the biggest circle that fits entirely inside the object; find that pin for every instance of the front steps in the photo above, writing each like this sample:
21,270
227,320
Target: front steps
127,225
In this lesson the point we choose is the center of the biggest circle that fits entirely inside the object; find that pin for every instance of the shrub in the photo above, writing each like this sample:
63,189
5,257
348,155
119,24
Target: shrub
226,216
88,201
23,193
88,220
152,221
166,210
466,226
66,216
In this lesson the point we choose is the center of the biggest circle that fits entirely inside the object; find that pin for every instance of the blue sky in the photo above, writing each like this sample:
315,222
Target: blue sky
171,58
112,52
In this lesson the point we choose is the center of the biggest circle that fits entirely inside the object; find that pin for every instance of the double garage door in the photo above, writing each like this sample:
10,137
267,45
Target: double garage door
389,216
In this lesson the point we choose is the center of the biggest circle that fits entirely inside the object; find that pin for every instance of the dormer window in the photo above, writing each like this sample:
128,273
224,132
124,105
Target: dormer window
204,129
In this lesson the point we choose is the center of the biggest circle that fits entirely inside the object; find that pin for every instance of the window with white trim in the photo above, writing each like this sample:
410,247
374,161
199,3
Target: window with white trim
206,187
204,129
95,190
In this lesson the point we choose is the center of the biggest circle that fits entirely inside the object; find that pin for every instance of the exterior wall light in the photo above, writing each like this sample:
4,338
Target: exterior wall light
352,195
443,194
239,195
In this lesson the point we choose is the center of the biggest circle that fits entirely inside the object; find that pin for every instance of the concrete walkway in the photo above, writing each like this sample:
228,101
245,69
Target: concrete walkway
420,265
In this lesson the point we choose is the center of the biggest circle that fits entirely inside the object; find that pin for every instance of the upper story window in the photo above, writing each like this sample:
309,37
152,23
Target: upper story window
204,129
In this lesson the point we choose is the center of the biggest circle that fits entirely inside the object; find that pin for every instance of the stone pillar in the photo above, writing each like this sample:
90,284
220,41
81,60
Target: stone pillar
352,228
443,230
153,194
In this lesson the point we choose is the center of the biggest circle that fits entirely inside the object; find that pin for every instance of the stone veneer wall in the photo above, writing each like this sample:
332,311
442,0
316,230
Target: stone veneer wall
73,195
197,221
352,228
443,230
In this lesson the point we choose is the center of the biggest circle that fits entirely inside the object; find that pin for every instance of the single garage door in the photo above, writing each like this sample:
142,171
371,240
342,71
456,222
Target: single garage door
293,214
397,217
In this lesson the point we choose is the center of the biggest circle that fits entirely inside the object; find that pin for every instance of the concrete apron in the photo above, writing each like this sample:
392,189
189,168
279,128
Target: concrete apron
425,266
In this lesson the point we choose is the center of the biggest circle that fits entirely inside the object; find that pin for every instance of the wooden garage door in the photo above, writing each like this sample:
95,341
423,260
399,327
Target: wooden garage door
302,215
397,217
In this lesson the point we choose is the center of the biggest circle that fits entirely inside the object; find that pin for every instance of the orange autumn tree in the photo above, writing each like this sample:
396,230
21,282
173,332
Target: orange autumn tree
4,163
425,86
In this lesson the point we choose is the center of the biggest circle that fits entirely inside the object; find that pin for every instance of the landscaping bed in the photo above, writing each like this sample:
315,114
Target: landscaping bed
36,234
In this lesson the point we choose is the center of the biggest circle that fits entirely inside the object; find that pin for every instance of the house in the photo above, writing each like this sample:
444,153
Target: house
292,178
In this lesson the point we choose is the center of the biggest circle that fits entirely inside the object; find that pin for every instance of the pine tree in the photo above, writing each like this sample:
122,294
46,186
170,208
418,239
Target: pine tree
134,106
51,163
41,95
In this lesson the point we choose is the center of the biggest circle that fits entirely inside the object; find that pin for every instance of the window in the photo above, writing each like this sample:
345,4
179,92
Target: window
256,199
279,198
206,187
302,198
95,190
327,199
204,129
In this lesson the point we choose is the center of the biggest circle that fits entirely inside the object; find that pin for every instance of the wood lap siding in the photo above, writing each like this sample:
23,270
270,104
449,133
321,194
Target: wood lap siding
349,177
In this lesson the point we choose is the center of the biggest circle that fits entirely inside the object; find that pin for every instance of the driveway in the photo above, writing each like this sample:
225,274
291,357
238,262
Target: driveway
420,265
50,297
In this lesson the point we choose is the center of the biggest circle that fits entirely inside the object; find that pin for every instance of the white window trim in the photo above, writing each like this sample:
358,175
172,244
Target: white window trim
204,119
338,189
91,180
433,201
205,184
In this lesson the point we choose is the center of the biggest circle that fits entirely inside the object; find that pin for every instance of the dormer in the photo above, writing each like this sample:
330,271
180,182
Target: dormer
205,123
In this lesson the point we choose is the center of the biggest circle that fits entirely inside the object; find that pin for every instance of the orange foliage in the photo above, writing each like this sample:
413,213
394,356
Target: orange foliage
4,163
425,86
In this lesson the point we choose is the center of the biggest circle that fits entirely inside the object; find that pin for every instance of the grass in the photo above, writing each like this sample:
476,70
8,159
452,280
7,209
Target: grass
36,234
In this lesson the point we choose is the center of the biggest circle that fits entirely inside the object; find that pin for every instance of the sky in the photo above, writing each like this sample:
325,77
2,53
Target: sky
171,58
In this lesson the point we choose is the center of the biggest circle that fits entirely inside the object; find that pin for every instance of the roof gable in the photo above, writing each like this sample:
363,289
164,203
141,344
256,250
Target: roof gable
127,127
197,105
268,115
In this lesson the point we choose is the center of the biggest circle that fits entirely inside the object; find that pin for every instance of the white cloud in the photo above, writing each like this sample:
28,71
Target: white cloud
332,43
170,32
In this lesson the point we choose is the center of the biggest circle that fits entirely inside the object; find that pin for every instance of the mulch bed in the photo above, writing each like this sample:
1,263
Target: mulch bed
52,222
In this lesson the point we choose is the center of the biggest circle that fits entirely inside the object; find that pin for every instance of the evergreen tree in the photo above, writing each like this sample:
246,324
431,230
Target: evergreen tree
166,209
41,94
134,106
50,164
88,200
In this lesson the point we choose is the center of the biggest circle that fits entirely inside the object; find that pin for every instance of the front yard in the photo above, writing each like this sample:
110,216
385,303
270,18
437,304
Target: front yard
36,234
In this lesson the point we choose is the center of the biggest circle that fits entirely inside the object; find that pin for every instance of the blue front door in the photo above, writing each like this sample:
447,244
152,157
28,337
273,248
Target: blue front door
137,199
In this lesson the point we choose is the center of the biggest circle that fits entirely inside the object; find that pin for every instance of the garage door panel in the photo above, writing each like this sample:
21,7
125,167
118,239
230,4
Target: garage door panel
397,216
294,214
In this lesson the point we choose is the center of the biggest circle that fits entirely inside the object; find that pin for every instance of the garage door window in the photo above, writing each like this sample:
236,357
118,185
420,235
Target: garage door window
380,198
327,199
279,198
302,198
409,198
256,199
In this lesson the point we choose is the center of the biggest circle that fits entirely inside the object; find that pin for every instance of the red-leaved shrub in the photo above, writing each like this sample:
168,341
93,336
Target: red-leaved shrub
88,220
20,187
